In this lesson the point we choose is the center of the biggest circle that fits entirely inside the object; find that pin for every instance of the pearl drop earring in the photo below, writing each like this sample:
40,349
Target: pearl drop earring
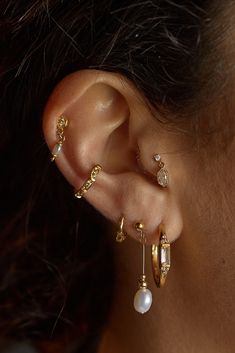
143,297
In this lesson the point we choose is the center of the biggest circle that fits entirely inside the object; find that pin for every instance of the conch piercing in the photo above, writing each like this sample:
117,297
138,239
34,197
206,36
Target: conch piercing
88,183
143,297
121,235
162,174
62,123
161,259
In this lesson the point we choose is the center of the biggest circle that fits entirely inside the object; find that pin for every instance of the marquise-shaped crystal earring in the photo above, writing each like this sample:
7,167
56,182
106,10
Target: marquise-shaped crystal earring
162,174
143,297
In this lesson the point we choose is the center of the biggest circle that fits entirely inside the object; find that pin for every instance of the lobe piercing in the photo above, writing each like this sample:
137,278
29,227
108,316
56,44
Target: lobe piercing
143,297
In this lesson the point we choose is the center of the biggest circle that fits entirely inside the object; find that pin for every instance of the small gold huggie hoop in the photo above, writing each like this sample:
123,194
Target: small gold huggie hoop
121,235
161,261
88,183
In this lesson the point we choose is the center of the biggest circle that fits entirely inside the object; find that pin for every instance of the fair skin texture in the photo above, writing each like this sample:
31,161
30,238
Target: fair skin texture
109,121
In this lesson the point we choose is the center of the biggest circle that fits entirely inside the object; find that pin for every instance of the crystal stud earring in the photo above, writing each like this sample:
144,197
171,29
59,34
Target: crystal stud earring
143,297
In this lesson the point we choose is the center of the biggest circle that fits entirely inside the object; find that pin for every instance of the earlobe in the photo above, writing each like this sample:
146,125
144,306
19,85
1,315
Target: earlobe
106,121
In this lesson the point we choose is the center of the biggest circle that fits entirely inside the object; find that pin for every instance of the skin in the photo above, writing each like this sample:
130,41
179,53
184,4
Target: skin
109,121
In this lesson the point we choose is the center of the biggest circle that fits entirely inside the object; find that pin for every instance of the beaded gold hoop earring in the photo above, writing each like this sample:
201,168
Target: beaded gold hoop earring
89,182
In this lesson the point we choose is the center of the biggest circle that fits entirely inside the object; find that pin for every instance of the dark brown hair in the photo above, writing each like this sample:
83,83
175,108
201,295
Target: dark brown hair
56,263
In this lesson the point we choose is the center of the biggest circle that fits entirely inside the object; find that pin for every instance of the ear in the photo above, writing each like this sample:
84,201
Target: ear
110,124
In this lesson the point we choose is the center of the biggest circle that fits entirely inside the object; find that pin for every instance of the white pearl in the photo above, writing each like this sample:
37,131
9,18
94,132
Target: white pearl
142,300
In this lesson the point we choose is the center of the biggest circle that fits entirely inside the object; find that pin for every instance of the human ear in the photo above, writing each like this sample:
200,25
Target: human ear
110,124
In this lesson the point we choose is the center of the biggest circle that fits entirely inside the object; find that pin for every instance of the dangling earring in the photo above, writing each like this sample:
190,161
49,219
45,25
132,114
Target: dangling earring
162,174
161,258
143,297
61,125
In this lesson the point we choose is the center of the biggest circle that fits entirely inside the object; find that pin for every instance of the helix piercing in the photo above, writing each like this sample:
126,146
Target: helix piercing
62,123
89,182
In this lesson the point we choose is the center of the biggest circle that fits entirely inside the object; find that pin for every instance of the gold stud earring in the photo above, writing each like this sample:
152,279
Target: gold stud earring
62,123
161,261
162,174
121,235
143,297
88,183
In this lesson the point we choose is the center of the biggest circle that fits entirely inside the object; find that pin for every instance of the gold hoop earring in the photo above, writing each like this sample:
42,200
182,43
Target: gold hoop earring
62,123
143,297
121,235
89,182
162,174
161,260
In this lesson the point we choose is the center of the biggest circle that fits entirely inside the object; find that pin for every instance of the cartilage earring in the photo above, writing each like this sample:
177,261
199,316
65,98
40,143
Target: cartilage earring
62,123
143,297
88,183
161,260
162,174
121,235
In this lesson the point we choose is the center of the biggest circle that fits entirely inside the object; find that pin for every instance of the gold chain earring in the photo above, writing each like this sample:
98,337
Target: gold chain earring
143,297
62,123
121,235
162,174
89,182
161,259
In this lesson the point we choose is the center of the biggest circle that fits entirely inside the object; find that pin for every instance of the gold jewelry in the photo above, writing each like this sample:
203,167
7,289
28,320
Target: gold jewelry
62,123
121,235
162,174
161,261
88,183
143,297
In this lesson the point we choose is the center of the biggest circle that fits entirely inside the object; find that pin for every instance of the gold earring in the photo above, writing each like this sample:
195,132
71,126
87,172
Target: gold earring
161,260
162,174
88,183
121,235
62,123
143,297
